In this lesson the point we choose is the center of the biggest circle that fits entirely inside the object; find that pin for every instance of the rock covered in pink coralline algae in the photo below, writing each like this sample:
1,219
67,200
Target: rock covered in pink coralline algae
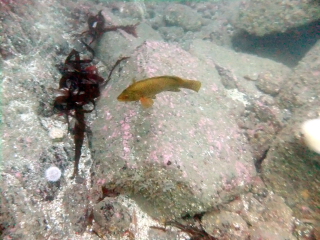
269,230
111,216
291,169
183,155
302,85
264,17
225,225
182,16
266,214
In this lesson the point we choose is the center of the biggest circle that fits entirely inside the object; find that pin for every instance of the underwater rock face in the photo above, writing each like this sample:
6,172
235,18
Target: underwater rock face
270,230
76,206
263,17
225,225
260,214
111,216
269,83
239,70
291,169
172,33
182,16
116,44
183,155
302,86
32,37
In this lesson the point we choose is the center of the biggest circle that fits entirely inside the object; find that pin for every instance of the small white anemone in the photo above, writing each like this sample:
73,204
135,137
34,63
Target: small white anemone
311,132
53,174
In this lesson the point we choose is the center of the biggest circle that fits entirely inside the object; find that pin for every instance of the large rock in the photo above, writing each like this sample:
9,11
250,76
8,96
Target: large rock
245,74
182,16
237,70
182,156
264,17
301,87
109,52
291,169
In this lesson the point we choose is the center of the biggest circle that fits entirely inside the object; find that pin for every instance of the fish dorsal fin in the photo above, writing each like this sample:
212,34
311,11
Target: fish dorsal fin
174,90
146,102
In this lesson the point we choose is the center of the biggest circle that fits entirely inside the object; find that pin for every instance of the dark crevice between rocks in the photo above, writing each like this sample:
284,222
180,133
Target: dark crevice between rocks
288,47
259,161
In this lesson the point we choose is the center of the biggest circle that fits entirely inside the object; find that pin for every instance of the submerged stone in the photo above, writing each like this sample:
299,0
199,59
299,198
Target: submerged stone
183,155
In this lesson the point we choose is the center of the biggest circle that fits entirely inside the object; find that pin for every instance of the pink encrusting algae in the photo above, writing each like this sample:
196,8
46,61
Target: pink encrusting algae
214,87
227,184
106,91
151,67
244,175
167,158
154,156
206,123
167,153
187,137
126,134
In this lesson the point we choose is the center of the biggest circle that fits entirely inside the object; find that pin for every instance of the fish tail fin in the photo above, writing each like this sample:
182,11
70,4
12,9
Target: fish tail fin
192,84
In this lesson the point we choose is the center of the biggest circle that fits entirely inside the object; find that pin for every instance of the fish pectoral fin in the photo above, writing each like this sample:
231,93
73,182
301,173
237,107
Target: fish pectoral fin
153,97
174,90
146,102
133,80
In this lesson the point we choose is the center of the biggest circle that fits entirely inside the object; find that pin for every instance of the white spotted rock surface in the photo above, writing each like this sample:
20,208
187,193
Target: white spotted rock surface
183,155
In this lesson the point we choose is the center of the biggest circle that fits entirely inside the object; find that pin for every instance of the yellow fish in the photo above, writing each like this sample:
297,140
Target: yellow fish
146,90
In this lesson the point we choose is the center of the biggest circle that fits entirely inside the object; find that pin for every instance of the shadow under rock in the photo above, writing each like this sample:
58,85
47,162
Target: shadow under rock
288,47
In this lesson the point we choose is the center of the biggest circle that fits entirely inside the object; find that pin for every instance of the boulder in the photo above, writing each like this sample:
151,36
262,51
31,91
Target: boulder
183,155
301,87
119,43
260,18
238,71
182,16
291,169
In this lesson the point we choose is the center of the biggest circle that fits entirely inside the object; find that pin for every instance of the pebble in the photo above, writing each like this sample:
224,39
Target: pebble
56,134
